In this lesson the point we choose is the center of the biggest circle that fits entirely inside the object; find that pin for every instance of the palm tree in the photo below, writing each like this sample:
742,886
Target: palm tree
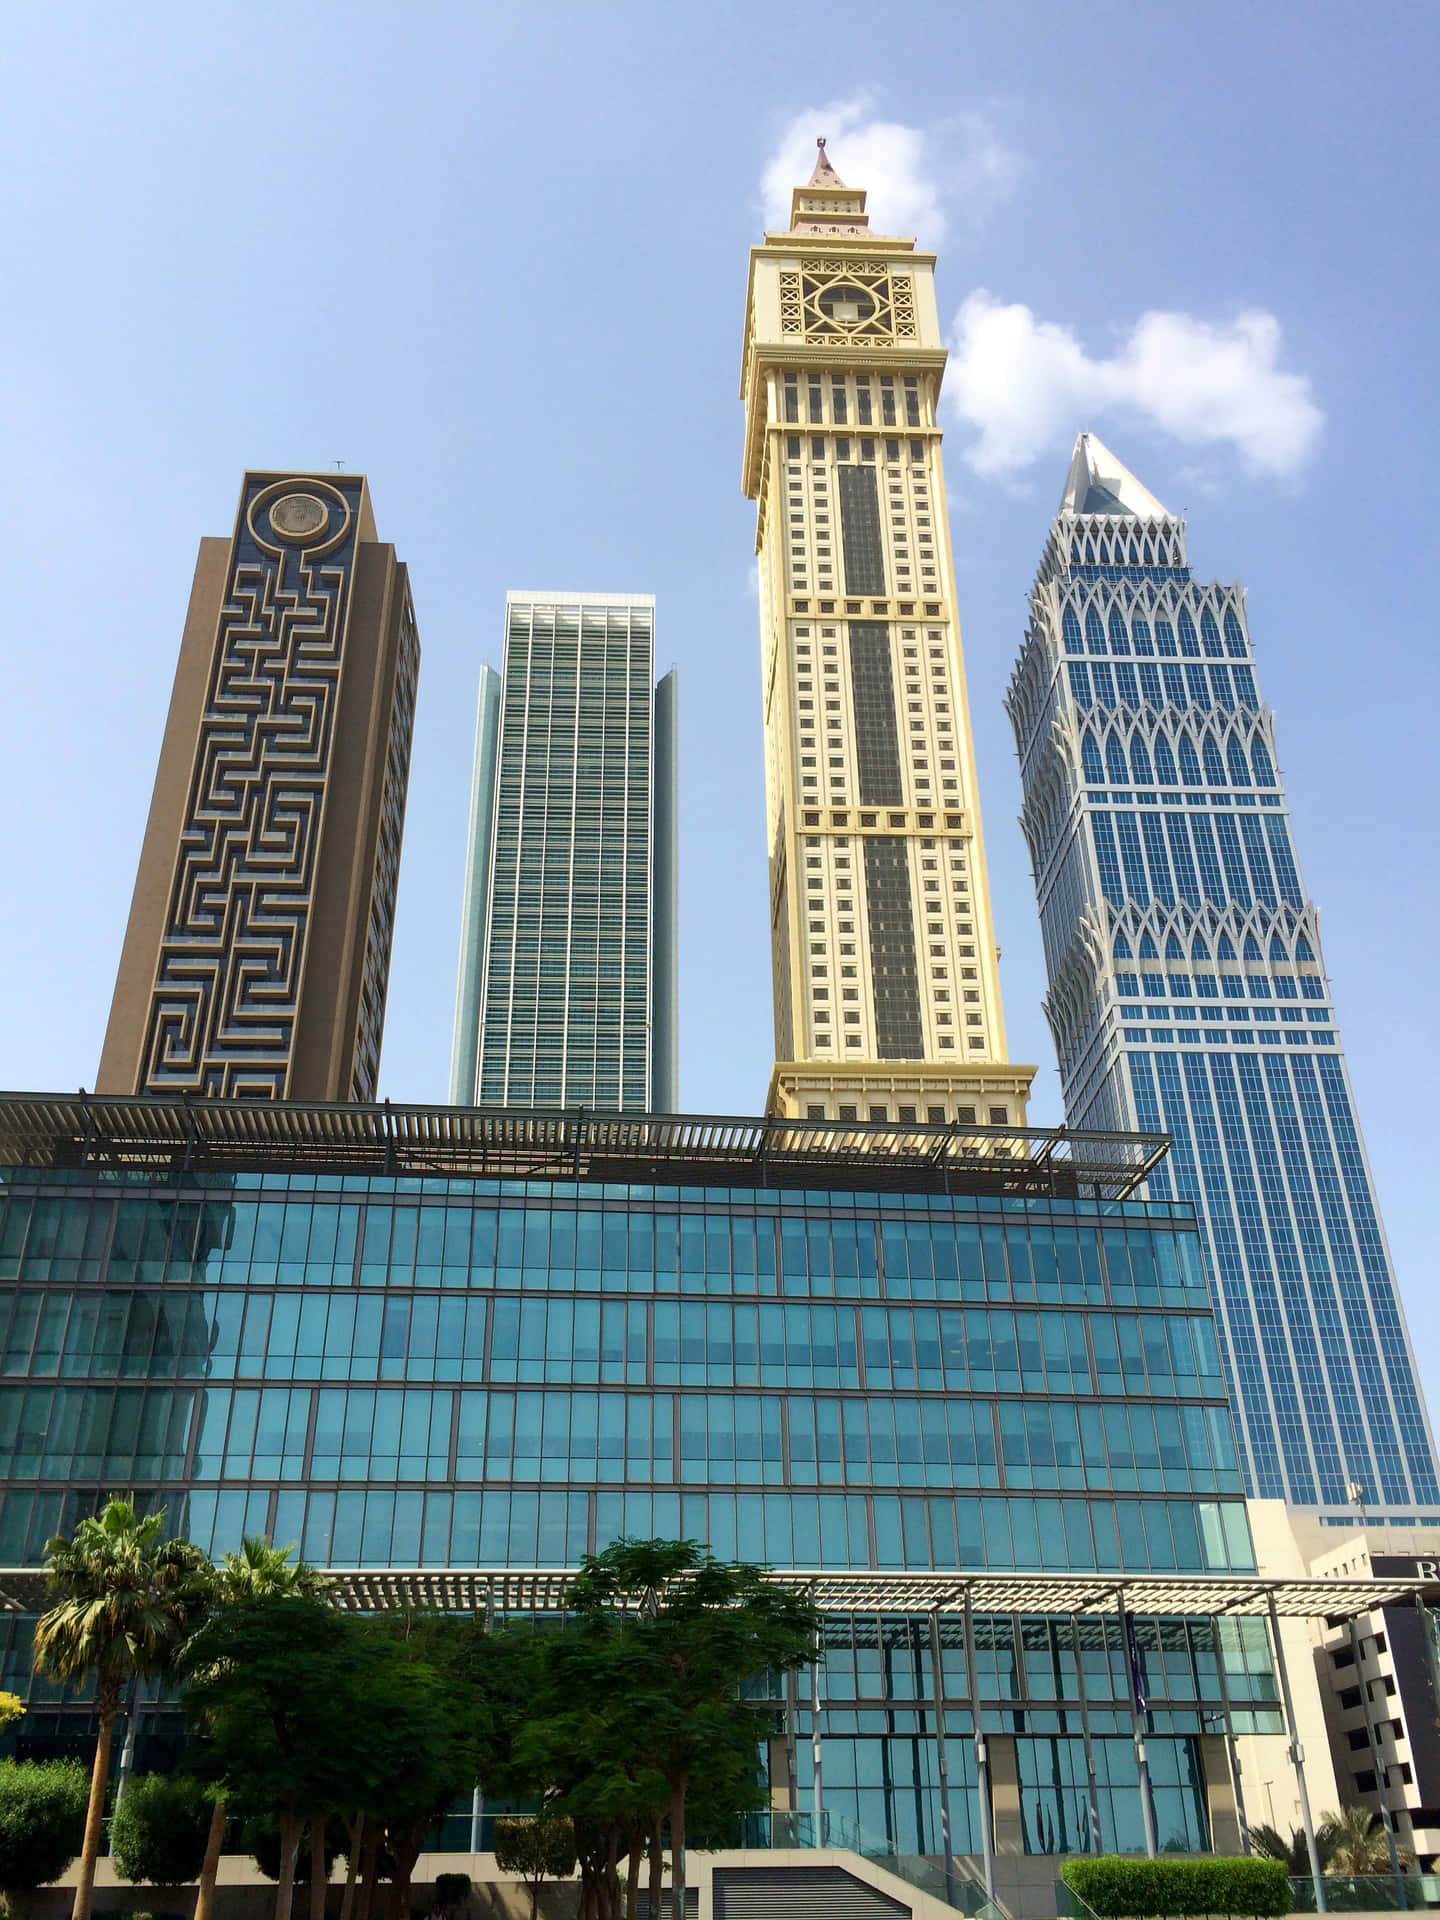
1295,1851
257,1572
1356,1842
127,1599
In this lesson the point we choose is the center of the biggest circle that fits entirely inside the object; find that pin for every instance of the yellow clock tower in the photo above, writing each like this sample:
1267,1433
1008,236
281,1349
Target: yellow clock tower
887,991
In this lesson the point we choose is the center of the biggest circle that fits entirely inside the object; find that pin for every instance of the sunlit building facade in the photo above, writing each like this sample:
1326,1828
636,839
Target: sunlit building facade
886,978
567,985
423,1340
1187,991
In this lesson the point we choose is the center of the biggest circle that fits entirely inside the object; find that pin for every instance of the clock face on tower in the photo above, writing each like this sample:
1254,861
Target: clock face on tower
299,516
846,305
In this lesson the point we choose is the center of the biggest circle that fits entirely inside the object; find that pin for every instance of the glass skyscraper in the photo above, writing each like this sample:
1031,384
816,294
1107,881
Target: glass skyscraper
421,1338
1187,991
567,989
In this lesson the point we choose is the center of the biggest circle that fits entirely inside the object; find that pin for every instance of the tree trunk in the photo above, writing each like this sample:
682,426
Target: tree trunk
215,1840
406,1848
95,1813
632,1876
657,1870
370,1868
291,1827
352,1865
612,1874
677,1846
319,1877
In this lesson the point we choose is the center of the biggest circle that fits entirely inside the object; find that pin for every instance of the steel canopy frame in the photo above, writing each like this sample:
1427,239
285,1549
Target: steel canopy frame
173,1135
511,1590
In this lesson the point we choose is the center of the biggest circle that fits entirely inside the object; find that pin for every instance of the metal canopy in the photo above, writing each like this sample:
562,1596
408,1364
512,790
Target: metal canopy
506,1590
173,1136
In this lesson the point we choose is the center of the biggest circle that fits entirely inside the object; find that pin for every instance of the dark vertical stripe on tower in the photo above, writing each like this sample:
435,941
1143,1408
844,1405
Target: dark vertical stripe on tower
860,524
894,976
877,741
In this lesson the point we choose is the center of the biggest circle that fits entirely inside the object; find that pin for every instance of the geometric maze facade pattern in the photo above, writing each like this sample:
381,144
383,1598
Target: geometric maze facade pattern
226,996
380,926
1187,993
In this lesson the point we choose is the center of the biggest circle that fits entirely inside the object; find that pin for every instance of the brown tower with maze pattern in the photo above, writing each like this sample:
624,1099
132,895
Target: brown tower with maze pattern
257,953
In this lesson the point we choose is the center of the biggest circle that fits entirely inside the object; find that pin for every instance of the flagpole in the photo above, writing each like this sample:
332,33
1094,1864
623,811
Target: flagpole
1138,1711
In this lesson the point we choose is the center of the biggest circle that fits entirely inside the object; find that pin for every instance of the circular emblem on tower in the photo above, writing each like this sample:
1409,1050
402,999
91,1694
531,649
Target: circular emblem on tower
299,516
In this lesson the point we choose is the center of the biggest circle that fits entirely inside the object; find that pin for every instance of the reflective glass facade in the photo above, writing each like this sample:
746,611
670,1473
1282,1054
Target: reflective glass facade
567,968
1188,994
409,1371
475,1374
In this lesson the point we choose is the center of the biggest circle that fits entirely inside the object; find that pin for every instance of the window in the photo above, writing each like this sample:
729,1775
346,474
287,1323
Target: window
860,524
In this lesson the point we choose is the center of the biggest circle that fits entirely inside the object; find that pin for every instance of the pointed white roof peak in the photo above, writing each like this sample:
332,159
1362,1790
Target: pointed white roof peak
1099,483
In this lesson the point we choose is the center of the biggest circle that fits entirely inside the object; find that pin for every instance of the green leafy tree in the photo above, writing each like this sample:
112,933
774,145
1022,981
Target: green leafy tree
11,1708
158,1830
423,1753
258,1572
705,1628
537,1847
316,1715
641,1712
42,1821
127,1598
277,1682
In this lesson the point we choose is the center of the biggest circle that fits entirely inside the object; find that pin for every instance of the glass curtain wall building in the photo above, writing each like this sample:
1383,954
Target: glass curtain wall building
1187,991
507,1350
567,987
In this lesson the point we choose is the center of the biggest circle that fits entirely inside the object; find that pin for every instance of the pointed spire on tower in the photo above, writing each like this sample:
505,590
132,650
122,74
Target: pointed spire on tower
825,204
824,174
1100,483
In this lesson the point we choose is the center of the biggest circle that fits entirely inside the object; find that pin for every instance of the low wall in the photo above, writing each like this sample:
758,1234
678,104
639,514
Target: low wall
243,1894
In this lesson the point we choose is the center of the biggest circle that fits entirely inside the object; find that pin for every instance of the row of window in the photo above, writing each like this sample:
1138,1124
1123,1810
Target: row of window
304,1241
120,1434
319,1334
830,402
1201,858
1045,1658
1140,770
529,1527
1146,949
1115,637
1236,986
1229,688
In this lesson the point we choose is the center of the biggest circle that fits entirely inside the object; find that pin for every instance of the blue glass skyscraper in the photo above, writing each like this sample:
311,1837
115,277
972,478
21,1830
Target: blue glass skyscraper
1187,991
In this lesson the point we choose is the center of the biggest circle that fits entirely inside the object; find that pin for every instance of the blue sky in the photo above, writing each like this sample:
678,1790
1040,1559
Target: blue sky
496,259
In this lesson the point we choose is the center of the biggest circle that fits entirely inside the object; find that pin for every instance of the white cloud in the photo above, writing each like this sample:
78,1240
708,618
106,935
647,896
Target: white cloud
914,176
1028,386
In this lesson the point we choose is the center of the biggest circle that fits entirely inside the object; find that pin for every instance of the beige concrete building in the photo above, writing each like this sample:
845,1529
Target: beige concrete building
257,953
887,990
1377,1674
